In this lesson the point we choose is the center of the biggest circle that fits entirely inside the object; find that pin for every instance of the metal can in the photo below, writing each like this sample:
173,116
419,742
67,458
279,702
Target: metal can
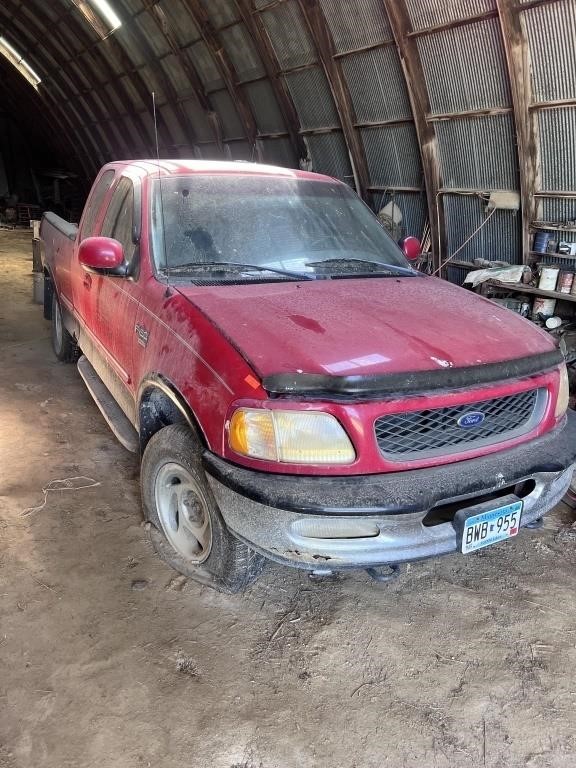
565,281
548,278
543,306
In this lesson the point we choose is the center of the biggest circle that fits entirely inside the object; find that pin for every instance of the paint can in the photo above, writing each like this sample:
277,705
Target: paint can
542,306
548,278
540,243
38,287
565,281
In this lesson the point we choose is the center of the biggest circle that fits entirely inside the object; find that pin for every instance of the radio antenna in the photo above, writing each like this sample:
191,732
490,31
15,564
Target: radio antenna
160,185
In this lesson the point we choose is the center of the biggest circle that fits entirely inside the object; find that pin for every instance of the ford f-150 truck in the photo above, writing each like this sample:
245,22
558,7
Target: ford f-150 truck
296,390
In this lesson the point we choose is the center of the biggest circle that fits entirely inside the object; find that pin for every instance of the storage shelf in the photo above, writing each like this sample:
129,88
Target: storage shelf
553,255
521,288
556,227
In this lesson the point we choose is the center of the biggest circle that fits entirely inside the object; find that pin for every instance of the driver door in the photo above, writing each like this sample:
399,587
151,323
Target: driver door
115,299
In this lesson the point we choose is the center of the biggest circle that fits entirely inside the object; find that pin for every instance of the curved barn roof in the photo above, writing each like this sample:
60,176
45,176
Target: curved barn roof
432,103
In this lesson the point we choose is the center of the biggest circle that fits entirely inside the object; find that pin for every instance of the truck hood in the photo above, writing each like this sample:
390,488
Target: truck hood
365,326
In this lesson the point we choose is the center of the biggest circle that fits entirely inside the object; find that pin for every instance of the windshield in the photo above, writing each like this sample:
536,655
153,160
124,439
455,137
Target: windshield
300,229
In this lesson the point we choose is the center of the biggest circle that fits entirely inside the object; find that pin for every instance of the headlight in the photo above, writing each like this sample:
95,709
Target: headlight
296,437
563,393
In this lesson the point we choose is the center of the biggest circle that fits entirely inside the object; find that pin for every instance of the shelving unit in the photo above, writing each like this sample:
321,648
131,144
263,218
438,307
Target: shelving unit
553,255
521,288
552,227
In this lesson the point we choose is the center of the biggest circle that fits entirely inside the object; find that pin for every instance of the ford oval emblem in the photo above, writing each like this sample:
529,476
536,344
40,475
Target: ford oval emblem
471,419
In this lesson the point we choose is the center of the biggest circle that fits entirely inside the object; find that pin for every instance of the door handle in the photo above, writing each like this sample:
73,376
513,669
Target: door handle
87,282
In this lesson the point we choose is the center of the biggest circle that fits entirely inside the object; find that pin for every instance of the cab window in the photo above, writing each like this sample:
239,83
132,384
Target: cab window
119,219
95,204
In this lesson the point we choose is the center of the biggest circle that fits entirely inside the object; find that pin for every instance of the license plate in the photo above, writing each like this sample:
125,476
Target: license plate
491,526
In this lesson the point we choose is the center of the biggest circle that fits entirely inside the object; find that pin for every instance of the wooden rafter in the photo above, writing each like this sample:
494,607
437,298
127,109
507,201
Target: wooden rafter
88,45
132,30
253,23
226,69
202,98
517,58
425,131
322,38
54,105
37,28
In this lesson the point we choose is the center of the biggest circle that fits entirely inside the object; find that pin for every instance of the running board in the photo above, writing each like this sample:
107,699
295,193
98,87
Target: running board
114,415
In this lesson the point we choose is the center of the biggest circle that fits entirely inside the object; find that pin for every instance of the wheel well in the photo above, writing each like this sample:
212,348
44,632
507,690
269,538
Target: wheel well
158,409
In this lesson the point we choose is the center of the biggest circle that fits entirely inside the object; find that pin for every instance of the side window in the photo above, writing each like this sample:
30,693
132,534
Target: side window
95,203
119,217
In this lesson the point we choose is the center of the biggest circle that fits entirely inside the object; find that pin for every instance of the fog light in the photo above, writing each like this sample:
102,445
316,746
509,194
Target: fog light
334,529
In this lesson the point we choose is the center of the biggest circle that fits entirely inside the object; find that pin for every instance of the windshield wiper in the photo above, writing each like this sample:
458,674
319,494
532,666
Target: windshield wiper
234,266
391,269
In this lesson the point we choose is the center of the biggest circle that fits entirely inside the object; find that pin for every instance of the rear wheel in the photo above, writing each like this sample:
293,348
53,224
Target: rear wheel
187,529
64,346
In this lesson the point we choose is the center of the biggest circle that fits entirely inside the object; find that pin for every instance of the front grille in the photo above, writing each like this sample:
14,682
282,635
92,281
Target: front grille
435,431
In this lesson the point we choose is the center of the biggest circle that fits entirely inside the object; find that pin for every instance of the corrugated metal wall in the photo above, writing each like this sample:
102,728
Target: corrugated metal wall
325,84
551,34
472,114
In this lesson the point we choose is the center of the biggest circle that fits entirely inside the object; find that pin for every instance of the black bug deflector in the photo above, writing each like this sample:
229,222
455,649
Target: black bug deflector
317,385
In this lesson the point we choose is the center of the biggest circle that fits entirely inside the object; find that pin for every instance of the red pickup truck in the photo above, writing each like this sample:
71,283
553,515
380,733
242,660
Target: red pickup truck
296,390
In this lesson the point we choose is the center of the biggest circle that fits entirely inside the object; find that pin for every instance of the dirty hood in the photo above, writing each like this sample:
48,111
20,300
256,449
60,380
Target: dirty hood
365,326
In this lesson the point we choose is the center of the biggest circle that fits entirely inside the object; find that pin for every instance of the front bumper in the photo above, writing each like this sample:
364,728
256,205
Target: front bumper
292,519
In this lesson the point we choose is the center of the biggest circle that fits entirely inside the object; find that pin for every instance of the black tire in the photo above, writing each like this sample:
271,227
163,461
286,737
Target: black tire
570,497
64,346
226,564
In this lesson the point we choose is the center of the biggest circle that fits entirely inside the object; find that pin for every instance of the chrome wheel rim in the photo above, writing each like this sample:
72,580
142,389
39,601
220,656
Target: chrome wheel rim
57,326
183,512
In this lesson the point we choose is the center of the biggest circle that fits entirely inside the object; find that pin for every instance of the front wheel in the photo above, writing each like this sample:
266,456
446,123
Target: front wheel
187,529
64,346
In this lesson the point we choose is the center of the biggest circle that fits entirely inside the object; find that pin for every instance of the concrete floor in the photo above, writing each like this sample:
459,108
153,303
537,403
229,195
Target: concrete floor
110,659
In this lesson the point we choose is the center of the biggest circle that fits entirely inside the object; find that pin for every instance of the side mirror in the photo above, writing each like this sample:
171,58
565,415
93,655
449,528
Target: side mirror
411,248
101,254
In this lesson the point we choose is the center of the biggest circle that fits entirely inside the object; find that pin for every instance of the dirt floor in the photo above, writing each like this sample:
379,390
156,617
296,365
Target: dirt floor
109,658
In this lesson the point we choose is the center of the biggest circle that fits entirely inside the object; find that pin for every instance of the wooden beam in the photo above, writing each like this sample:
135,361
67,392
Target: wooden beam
257,32
454,24
139,40
364,48
488,112
534,4
384,123
166,29
226,69
419,100
78,133
518,62
320,33
40,27
70,16
558,104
